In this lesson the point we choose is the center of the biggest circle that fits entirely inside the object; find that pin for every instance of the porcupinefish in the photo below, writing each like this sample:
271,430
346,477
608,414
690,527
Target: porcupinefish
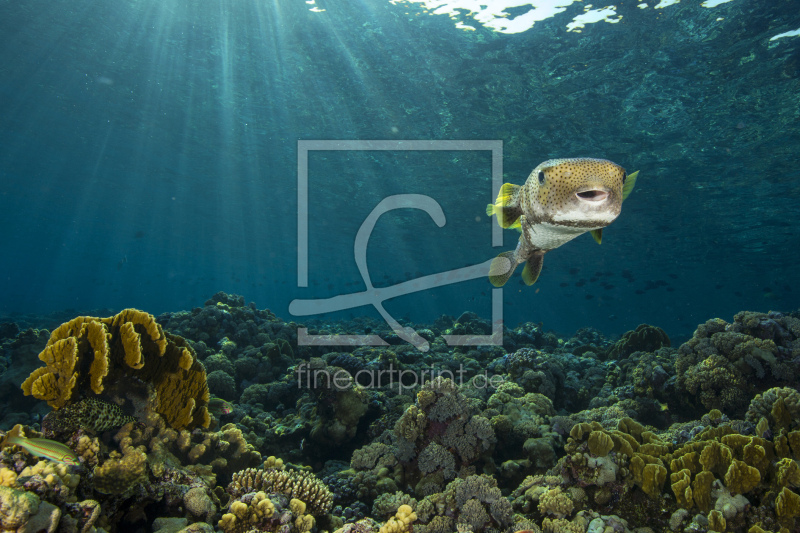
561,199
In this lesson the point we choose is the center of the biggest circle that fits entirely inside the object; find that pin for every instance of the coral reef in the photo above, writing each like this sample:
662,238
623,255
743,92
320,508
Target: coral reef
544,434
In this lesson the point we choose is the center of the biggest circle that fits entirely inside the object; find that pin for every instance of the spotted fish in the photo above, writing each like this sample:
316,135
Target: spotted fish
561,199
89,413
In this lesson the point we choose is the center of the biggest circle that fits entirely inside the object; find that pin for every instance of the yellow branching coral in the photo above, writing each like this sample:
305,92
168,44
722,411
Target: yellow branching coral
129,344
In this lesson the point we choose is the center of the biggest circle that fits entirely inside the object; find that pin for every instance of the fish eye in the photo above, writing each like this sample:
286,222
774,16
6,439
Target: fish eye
624,177
541,177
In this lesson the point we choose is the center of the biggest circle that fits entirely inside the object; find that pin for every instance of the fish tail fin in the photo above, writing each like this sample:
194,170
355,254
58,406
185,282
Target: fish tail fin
533,267
501,268
629,184
506,207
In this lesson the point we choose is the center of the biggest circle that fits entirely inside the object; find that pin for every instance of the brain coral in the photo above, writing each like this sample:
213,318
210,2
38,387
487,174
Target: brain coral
128,345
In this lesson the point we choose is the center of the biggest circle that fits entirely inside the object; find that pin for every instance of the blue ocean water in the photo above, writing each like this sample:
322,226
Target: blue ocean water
149,153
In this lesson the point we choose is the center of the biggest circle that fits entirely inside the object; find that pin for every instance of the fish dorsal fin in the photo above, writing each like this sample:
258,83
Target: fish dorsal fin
629,184
597,235
501,268
533,267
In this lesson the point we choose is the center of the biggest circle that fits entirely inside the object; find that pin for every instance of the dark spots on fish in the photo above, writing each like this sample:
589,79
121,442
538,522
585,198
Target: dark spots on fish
592,280
639,291
608,287
574,271
719,286
563,284
589,296
766,289
737,294
673,276
670,289
580,283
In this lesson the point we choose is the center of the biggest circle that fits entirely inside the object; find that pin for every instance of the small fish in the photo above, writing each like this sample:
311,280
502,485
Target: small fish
49,449
218,406
561,199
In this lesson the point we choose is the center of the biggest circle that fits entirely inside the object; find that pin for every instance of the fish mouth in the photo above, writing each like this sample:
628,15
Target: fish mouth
592,195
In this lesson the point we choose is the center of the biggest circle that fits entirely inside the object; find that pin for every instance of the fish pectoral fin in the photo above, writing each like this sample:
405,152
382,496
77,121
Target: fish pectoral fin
507,195
533,267
501,268
597,235
629,184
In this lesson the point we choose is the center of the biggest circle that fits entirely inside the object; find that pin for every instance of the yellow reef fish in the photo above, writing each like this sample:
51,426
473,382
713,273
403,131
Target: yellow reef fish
561,199
49,449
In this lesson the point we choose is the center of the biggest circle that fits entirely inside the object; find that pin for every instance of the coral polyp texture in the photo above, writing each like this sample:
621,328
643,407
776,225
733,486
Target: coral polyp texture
87,354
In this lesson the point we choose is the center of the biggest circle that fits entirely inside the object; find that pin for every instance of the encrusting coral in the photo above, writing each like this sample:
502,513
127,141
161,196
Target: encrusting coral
128,344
